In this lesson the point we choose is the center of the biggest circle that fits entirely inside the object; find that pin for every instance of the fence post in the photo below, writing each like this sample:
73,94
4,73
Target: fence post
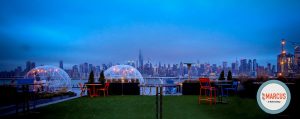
156,102
161,101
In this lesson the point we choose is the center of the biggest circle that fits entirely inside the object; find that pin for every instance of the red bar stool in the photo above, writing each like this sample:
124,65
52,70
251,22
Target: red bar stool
206,86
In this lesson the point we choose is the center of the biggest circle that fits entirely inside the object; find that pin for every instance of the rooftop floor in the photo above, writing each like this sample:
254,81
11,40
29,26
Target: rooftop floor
143,107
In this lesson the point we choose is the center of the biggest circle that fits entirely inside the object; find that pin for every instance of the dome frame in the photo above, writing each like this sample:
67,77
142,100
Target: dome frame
122,72
52,78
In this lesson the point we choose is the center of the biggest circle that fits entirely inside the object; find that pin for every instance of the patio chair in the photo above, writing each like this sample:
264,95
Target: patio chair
104,89
206,86
233,88
83,89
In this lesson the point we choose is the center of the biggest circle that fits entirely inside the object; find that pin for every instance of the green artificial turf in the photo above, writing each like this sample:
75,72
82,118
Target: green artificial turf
143,107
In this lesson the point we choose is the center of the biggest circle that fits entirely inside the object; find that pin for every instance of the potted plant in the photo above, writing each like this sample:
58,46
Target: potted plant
229,76
222,77
102,78
91,77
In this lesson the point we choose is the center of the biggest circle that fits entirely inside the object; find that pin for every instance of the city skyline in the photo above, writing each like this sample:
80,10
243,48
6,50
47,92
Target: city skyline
65,65
170,31
242,67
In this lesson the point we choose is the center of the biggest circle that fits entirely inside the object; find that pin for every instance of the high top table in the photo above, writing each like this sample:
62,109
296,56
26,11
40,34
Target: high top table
143,86
220,84
93,88
159,96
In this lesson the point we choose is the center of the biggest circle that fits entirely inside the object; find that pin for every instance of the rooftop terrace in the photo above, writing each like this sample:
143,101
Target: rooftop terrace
143,107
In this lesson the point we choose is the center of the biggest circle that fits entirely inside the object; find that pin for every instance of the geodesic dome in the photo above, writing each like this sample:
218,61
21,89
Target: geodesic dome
121,72
52,79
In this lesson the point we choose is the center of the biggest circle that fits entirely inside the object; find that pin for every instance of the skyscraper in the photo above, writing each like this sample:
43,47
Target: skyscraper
249,68
297,59
269,69
254,65
75,71
141,60
237,66
243,67
61,64
29,65
233,68
224,65
285,64
273,70
254,68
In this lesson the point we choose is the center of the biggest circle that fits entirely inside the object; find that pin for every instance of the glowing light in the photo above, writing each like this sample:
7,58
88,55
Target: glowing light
60,80
123,72
283,51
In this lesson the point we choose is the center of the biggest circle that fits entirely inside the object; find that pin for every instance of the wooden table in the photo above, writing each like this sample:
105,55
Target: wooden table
93,88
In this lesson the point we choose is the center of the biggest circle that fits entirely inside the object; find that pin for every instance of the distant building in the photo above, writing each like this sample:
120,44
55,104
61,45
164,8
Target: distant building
249,68
29,65
214,68
243,67
141,60
75,72
224,65
273,70
297,60
233,67
61,64
285,64
261,71
254,68
91,68
131,63
269,69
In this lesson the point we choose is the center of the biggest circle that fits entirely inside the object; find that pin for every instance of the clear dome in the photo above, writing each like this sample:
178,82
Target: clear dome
119,72
52,79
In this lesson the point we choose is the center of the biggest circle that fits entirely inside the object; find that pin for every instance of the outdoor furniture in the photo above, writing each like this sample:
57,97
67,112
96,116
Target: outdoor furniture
92,89
220,87
206,86
104,89
159,96
233,87
82,89
165,86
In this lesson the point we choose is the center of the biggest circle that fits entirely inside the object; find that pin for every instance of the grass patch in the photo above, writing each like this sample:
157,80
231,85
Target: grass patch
143,107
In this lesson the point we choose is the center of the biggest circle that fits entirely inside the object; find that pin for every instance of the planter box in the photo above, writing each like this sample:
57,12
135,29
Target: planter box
8,95
190,88
128,89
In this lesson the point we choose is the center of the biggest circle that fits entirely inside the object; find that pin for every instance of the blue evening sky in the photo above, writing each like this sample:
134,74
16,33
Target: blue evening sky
170,31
